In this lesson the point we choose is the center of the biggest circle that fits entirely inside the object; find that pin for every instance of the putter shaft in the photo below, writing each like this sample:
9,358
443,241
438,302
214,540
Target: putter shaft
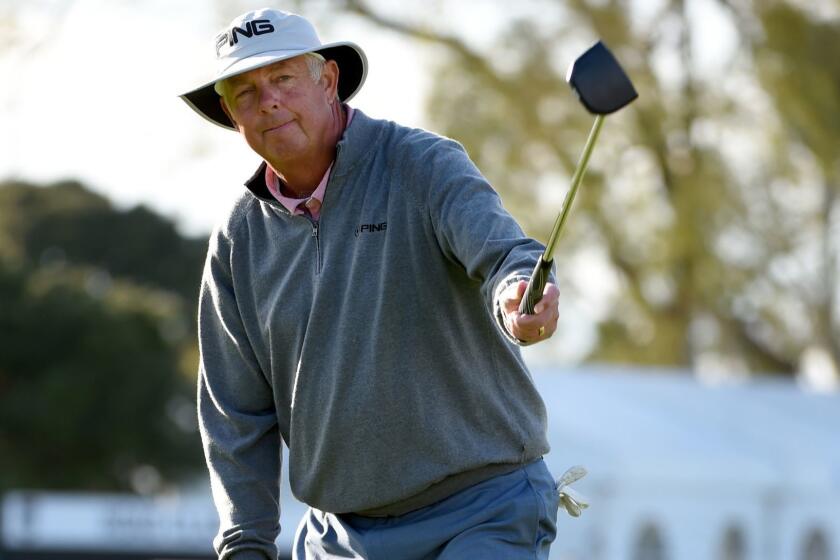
542,270
577,178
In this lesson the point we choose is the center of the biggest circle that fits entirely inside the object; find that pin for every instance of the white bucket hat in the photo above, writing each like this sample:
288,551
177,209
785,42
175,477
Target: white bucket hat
262,37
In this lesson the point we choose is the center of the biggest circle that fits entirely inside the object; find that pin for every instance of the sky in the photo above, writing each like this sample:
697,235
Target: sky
91,93
93,96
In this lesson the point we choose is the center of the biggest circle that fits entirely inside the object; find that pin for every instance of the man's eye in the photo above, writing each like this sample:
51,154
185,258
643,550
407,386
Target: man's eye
243,93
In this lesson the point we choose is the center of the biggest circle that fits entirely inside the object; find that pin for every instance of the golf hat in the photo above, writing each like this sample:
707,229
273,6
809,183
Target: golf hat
266,36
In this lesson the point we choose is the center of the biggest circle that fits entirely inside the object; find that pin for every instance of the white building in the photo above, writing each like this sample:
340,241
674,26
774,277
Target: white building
678,470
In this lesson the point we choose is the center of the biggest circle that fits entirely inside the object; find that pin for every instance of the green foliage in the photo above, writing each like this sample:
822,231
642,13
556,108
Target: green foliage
797,61
714,258
97,357
526,130
67,222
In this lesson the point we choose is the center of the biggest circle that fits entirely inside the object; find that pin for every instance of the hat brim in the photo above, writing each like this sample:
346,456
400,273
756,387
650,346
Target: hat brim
352,71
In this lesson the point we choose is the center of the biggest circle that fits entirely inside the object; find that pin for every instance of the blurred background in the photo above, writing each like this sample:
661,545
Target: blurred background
695,369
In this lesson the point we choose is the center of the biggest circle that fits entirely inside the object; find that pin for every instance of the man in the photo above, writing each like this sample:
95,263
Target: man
360,304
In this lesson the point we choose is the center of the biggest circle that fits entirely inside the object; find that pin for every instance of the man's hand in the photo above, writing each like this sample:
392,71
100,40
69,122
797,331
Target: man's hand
530,328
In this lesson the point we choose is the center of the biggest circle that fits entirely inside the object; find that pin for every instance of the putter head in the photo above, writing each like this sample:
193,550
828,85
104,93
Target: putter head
599,82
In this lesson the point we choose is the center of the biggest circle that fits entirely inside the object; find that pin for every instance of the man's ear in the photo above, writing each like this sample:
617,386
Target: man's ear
329,75
225,108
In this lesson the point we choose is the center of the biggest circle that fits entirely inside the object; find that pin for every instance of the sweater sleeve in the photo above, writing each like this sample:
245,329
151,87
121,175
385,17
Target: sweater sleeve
472,226
237,419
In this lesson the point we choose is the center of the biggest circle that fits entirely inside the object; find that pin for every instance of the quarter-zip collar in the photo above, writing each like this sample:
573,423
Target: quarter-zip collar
355,146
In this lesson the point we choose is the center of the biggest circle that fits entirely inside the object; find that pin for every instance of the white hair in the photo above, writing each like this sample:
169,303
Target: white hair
314,61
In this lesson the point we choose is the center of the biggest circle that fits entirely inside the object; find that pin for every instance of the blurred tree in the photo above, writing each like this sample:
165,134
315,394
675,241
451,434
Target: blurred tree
690,232
65,221
28,39
97,345
90,387
793,49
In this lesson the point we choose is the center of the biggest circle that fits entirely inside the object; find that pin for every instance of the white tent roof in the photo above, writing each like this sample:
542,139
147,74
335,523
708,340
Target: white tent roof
661,427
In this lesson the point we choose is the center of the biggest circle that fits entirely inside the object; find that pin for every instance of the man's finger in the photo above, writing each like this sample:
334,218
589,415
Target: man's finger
551,294
513,295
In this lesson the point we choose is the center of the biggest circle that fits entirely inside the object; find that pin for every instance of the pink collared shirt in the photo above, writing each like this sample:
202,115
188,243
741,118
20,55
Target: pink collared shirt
312,202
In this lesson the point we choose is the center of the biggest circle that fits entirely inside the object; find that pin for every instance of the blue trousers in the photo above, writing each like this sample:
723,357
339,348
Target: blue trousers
512,516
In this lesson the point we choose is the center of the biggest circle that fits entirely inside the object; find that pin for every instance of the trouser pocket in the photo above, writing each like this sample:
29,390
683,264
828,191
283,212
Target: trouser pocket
548,501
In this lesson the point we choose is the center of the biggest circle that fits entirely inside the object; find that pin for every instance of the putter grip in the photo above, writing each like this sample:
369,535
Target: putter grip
536,285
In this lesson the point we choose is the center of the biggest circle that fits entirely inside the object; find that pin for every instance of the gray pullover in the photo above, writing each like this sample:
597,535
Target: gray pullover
368,342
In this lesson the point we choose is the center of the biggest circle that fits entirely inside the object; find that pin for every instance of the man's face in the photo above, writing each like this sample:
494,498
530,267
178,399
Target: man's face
284,115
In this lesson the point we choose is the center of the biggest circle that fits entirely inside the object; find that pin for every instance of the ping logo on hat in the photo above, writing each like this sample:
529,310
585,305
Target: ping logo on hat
252,28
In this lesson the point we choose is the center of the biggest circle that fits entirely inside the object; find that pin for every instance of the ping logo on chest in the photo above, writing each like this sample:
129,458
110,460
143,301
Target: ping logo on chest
371,228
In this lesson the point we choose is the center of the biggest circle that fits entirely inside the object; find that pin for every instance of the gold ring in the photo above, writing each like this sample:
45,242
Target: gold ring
542,331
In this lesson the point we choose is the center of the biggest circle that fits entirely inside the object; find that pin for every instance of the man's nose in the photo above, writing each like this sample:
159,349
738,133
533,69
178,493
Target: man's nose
269,99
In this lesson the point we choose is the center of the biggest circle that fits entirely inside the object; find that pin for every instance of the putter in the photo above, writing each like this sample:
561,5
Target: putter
603,88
